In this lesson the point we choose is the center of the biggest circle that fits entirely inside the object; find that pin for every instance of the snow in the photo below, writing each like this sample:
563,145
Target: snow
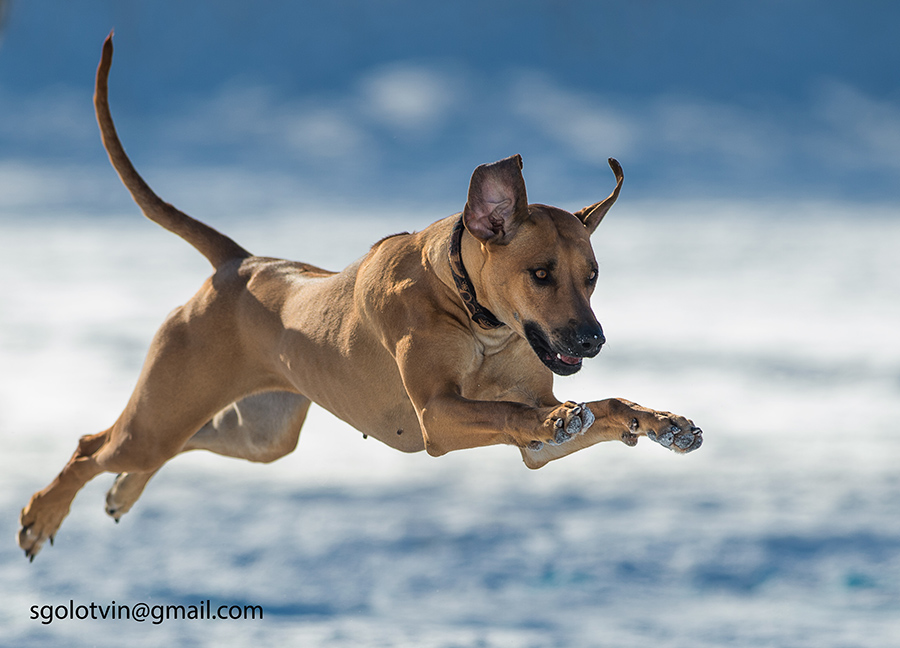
772,326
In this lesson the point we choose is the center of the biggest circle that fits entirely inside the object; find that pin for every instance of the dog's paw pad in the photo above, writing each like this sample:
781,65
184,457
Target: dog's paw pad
677,439
569,421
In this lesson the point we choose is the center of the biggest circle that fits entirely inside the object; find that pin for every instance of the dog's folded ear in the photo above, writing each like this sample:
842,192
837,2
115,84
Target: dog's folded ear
497,201
593,214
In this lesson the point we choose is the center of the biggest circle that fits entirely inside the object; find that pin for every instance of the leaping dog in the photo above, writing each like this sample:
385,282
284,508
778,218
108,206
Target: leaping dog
438,340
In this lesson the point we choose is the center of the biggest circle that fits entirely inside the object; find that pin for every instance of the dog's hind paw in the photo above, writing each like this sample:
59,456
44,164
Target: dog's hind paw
125,491
37,528
569,420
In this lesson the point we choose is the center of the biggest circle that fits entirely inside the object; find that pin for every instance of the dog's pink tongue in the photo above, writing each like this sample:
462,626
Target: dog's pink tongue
569,359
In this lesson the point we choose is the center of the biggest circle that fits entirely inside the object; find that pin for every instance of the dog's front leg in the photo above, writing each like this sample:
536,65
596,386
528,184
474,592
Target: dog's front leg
451,422
458,407
616,419
453,414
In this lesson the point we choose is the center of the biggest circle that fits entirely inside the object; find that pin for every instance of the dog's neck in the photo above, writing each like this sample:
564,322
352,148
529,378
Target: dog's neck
479,314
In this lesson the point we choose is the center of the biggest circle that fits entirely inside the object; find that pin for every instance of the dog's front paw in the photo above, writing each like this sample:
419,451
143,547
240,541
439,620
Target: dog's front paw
668,430
567,421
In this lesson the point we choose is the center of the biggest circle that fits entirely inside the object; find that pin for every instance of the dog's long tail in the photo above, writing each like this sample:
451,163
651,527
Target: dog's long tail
214,245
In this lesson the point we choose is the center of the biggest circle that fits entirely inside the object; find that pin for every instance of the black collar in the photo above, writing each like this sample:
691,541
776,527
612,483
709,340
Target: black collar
481,315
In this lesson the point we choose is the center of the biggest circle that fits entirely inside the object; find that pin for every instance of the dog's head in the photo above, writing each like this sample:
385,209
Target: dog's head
538,268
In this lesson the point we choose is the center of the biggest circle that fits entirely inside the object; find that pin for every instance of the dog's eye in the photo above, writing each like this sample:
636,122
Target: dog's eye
541,276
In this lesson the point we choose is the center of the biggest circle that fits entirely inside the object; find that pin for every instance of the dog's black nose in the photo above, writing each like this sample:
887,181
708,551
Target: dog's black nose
589,338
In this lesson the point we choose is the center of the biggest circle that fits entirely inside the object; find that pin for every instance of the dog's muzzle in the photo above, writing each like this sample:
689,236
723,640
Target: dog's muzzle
564,356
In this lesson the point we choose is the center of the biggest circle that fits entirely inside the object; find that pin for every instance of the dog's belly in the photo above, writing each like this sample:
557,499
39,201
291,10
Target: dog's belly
326,351
375,404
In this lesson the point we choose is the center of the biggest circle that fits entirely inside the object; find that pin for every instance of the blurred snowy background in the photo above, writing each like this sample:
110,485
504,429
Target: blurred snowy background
749,280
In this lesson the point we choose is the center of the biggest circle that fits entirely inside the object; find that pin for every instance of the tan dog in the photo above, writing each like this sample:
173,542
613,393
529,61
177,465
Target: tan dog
439,340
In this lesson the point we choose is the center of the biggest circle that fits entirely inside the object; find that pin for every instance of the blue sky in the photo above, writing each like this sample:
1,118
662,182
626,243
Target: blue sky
698,99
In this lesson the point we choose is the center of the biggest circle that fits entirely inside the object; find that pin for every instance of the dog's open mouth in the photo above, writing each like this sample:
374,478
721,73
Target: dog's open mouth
558,362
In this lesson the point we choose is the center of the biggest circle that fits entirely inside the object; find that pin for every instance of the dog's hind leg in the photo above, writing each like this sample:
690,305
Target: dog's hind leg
129,446
141,441
185,381
47,508
262,427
